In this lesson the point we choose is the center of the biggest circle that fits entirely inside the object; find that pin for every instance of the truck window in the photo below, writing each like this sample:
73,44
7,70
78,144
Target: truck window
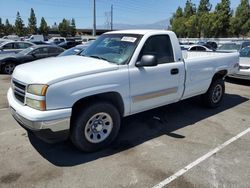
160,46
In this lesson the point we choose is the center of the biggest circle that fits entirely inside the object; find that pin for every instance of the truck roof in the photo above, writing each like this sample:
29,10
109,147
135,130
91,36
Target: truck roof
138,31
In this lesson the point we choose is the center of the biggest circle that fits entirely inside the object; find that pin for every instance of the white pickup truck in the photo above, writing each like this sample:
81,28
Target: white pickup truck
85,97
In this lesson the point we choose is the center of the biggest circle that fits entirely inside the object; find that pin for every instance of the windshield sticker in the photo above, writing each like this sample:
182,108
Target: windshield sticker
128,39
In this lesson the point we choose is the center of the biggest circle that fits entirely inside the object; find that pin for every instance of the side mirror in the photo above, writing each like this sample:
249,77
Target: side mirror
147,61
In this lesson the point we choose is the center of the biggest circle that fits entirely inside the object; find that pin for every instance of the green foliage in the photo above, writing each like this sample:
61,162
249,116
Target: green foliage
32,28
43,29
189,9
204,23
64,28
240,24
19,25
8,28
223,14
73,27
1,27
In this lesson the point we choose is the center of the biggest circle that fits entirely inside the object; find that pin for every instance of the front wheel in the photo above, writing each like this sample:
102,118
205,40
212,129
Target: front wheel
95,127
213,97
8,68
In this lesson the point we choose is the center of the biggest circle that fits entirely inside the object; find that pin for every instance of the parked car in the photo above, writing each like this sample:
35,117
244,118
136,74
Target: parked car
244,69
10,61
74,51
56,40
122,73
199,48
14,46
86,39
12,37
68,44
35,38
233,46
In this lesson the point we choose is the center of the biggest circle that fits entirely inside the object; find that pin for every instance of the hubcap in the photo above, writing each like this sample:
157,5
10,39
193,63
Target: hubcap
9,68
98,127
217,94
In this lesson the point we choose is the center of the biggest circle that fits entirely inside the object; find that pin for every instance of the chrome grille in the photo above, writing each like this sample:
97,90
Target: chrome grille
19,90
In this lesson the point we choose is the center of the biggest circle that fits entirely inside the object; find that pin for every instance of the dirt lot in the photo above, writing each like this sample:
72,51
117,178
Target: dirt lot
147,151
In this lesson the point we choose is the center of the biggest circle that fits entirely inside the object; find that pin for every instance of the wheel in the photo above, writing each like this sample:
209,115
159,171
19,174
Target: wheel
8,68
95,126
213,97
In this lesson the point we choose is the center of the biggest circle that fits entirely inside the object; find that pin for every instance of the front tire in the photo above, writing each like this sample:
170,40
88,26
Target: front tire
213,97
95,127
8,68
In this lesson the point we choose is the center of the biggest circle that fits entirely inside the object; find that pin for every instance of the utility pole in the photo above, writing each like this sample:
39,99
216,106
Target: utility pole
94,19
111,17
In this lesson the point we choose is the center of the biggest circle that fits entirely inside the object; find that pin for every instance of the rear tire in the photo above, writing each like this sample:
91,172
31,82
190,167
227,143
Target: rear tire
213,97
8,68
95,126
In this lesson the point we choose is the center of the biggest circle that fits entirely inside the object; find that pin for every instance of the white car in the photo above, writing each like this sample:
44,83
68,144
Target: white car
244,68
199,48
85,97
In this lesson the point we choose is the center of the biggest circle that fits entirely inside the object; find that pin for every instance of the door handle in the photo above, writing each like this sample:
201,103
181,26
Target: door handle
174,71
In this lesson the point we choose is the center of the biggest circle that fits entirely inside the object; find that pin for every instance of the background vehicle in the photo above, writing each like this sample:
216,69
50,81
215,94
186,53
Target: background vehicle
233,46
12,37
35,38
56,40
199,48
68,44
86,39
14,46
9,62
120,74
244,69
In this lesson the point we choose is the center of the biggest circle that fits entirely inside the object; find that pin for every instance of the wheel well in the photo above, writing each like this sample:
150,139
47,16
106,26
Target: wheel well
112,97
220,75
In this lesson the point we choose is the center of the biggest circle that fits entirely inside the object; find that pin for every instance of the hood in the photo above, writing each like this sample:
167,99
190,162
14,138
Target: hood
245,61
52,70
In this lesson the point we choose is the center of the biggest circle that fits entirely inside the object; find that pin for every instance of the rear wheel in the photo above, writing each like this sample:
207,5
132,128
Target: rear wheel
8,68
213,97
95,126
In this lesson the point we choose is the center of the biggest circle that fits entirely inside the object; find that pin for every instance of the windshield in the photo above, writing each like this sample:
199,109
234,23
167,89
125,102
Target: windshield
115,48
230,46
245,52
26,51
71,51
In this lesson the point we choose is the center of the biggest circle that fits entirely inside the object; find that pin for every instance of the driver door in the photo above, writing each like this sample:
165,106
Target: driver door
157,85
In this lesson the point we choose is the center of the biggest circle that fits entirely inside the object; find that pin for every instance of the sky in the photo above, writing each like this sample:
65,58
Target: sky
124,11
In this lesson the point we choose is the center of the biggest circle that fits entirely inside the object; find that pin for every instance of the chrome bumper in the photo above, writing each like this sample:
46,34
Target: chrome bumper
54,125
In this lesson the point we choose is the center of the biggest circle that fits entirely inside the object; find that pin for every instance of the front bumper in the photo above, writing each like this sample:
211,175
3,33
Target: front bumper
49,125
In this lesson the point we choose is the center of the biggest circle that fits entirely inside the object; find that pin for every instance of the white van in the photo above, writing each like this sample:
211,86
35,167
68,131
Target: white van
35,38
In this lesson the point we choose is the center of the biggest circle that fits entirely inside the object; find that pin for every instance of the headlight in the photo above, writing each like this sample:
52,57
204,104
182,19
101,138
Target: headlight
39,105
37,89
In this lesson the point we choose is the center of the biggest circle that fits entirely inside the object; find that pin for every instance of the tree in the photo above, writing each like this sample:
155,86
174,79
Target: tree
43,29
223,15
203,16
64,27
1,27
240,24
204,7
32,28
8,28
19,26
189,9
73,27
177,23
